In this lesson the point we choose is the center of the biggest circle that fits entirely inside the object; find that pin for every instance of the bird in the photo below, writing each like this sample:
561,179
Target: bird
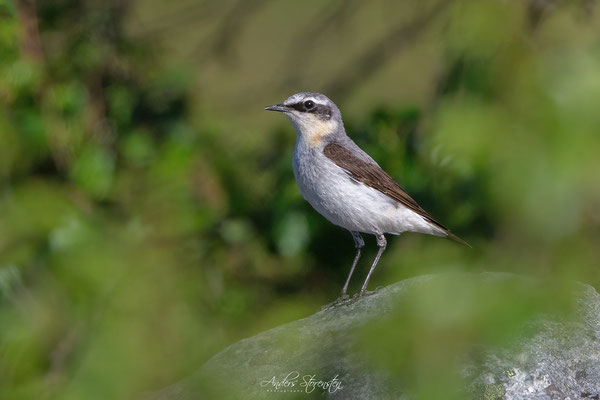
345,185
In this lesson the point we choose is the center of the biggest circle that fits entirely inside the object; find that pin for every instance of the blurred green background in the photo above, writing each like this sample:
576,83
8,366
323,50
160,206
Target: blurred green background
149,215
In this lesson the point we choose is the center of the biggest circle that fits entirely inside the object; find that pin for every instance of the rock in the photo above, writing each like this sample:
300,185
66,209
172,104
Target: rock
550,356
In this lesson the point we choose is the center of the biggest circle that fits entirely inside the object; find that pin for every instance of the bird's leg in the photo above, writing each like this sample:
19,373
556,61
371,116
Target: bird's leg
381,243
359,243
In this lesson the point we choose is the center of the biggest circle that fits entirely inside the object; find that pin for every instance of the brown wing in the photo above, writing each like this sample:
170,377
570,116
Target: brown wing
373,176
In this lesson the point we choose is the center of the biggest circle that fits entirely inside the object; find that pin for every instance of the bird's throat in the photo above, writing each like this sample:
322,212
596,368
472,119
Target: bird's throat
313,131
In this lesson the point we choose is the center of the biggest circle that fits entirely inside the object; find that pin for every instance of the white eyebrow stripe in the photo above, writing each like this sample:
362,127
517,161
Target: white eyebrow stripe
302,100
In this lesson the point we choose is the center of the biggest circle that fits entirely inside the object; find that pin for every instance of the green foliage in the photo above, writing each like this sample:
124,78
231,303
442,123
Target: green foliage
142,229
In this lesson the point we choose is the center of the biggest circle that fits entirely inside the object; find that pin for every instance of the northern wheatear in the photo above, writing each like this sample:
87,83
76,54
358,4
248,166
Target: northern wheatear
345,184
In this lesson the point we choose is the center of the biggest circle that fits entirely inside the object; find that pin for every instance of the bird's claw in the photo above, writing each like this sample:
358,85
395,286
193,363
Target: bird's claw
365,292
344,298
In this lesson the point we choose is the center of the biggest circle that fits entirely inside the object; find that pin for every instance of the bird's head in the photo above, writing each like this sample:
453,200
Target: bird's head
313,115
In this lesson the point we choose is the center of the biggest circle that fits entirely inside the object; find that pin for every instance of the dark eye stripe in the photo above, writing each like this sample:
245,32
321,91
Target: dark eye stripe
297,107
324,112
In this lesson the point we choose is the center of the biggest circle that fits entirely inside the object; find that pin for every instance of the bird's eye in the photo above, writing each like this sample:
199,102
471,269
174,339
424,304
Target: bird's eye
308,104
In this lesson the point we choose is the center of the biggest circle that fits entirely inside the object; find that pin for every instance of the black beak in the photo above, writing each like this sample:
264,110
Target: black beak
277,107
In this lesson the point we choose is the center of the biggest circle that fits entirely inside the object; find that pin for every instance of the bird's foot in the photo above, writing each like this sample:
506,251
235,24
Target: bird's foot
362,293
343,299
365,292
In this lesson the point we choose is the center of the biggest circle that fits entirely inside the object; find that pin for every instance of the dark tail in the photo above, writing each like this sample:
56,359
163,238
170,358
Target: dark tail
445,232
452,236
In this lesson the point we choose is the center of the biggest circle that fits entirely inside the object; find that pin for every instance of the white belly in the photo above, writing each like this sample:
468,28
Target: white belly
350,204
